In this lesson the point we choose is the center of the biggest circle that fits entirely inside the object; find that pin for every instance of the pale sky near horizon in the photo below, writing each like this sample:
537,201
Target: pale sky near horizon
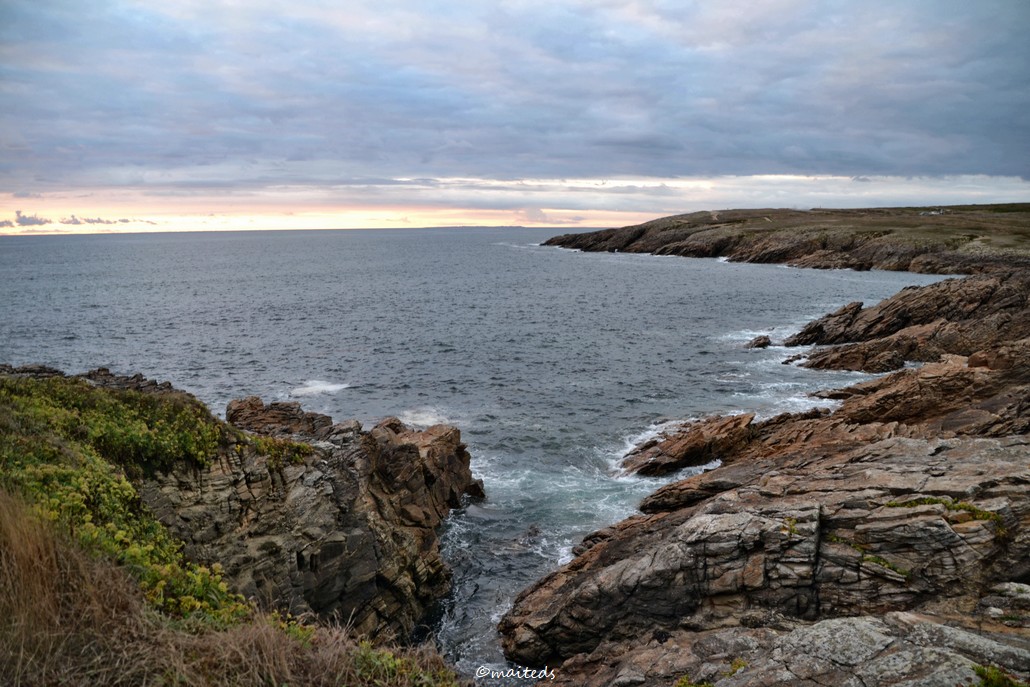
216,114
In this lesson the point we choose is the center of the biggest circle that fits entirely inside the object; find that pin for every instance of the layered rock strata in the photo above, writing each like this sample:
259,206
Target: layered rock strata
959,316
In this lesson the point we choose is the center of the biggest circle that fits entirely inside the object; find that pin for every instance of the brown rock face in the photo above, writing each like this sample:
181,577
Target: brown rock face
888,526
275,419
705,441
959,316
347,532
762,341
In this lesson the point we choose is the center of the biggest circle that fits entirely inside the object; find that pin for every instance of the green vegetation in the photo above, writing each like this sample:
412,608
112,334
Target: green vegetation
70,618
868,557
281,452
141,433
995,677
685,681
94,590
69,448
381,667
977,513
736,666
884,563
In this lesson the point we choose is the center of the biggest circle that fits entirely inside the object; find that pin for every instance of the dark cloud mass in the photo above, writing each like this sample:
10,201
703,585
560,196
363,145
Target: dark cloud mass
198,94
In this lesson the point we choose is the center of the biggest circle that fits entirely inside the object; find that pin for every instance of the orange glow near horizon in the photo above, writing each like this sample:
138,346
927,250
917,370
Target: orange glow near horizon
71,215
404,202
367,218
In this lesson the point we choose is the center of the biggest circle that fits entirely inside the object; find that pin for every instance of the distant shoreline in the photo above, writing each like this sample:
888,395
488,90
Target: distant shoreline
963,239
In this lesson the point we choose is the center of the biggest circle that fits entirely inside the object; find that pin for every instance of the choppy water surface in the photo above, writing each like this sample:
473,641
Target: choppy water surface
551,362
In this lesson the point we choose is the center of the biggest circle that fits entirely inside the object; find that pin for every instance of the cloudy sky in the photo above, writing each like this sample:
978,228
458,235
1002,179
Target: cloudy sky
217,114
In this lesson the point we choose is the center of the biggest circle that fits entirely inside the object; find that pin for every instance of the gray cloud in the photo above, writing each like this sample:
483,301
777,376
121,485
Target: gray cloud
29,220
73,221
86,220
201,96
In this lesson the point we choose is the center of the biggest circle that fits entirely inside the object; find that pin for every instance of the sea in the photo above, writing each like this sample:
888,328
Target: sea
552,362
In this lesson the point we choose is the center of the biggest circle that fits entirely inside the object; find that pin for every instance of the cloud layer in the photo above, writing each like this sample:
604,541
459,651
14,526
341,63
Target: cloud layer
191,96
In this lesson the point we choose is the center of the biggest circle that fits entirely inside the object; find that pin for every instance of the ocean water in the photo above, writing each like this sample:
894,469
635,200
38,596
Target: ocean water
552,362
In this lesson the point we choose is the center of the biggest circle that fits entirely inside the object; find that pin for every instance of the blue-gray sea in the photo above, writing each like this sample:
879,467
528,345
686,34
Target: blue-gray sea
552,362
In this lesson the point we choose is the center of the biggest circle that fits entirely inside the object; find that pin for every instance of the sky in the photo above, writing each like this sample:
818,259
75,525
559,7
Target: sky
124,115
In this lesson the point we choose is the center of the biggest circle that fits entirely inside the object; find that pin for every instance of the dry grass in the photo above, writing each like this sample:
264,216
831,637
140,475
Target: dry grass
67,618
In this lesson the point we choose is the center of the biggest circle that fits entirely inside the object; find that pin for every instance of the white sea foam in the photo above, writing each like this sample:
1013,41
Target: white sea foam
631,441
314,387
423,417
795,404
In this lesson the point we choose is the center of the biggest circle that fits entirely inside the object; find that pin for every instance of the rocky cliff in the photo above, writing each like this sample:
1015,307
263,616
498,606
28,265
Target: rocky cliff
884,543
316,517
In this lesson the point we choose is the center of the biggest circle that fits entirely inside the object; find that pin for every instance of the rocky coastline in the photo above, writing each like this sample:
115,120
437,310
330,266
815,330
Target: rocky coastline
322,519
884,543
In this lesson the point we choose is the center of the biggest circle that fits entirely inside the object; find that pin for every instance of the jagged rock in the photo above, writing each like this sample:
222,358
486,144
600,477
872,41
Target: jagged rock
346,532
702,442
888,503
950,398
103,377
911,496
955,316
898,648
762,341
30,371
344,527
279,418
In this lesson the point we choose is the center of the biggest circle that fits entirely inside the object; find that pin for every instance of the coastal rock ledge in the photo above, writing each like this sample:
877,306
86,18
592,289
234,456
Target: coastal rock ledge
924,526
884,543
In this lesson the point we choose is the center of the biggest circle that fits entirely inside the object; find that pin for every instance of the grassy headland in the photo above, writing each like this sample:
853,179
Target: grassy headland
952,239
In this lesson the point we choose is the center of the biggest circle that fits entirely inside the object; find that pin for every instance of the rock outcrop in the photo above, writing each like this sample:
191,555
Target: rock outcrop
986,394
897,648
342,525
705,441
884,543
959,316
762,341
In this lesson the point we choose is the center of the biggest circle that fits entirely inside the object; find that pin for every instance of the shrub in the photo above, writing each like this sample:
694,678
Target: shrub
53,443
